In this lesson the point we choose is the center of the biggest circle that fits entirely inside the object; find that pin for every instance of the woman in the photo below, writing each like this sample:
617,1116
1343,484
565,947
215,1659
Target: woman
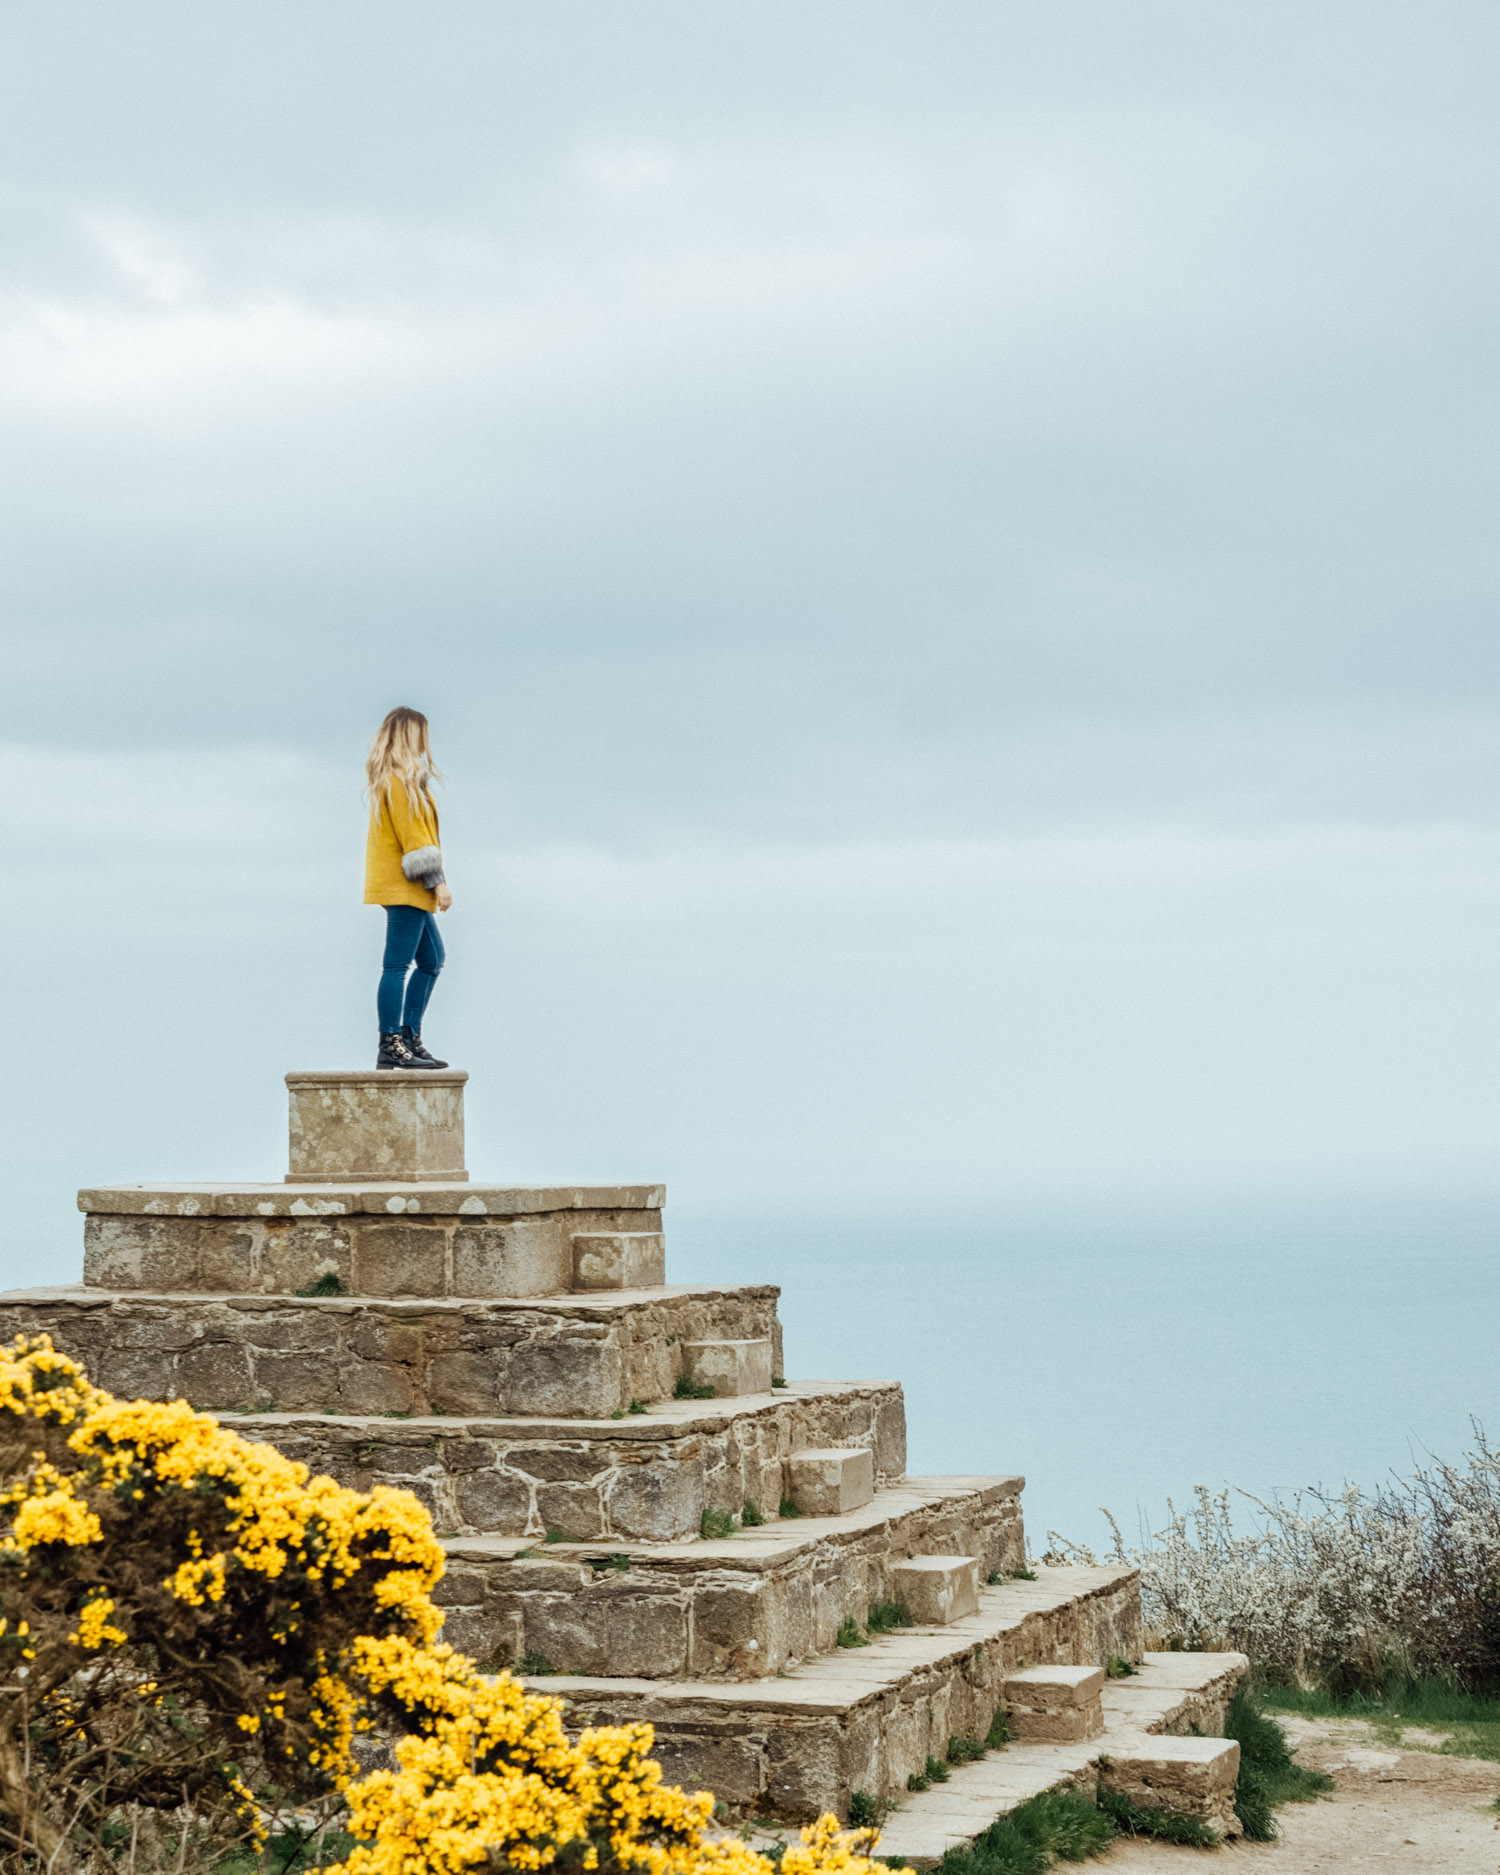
404,872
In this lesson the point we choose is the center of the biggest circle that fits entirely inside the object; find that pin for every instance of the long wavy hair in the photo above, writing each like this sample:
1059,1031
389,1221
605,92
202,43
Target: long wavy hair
401,752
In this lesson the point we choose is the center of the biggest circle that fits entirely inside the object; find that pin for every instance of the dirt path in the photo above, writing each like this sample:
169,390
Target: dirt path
1412,1812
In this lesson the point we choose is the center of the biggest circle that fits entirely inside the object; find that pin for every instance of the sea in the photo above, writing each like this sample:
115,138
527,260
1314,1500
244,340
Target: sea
1120,1352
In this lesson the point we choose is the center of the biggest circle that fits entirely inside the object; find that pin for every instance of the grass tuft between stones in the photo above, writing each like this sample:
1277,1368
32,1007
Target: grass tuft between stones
693,1389
330,1283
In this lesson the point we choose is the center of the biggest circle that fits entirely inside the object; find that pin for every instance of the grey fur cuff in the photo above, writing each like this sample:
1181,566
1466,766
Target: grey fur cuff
424,866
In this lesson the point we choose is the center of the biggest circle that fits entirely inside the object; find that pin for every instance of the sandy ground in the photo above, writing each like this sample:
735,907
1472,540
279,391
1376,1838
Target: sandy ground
1408,1810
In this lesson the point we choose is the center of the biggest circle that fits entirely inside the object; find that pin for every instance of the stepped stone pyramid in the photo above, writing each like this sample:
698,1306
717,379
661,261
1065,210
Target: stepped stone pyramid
514,1356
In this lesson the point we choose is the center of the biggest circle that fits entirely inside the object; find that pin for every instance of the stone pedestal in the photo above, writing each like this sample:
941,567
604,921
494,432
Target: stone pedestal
386,1127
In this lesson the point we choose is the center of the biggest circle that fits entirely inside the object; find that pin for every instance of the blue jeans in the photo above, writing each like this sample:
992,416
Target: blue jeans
411,937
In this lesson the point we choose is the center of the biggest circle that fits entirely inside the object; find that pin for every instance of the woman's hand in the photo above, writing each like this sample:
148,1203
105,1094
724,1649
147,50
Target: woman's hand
444,896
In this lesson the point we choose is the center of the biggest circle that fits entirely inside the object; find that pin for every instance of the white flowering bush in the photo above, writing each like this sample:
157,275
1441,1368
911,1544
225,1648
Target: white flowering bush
1341,1588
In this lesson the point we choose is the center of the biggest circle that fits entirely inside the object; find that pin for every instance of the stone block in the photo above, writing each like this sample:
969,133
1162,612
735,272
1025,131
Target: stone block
560,1464
215,1375
571,1508
524,1257
461,1382
373,1387
395,1126
1054,1705
647,1635
299,1382
830,1482
574,1379
937,1589
1194,1775
132,1253
731,1368
493,1501
400,1260
633,1259
657,1500
734,1769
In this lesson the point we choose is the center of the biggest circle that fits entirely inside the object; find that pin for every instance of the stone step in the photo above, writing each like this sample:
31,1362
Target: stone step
1153,1765
638,1477
618,1260
568,1356
743,1607
827,1483
938,1590
1054,1705
867,1718
731,1367
379,1238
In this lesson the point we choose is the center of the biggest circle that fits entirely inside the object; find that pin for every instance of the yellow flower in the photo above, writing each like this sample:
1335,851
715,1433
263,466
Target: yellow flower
93,1625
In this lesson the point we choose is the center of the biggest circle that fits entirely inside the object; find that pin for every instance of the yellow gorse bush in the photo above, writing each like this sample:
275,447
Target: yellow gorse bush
189,1621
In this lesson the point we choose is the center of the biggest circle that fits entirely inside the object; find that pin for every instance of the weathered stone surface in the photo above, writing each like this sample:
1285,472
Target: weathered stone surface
937,1589
730,1367
563,1357
351,1198
376,1250
653,1474
1194,1775
656,1500
1055,1705
838,1723
750,1606
391,1125
519,1257
619,1260
401,1260
829,1482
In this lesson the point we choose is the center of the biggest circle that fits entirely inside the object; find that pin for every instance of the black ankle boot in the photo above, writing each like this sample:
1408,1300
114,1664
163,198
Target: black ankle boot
394,1052
413,1040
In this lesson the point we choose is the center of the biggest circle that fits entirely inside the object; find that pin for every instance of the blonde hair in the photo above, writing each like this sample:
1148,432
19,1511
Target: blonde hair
401,752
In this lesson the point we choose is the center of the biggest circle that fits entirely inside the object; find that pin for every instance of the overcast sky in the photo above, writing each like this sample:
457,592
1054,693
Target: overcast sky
950,550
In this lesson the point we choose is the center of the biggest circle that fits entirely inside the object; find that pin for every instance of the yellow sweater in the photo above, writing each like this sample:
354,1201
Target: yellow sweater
397,829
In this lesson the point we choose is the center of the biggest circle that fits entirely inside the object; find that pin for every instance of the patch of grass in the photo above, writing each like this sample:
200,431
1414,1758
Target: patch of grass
788,1509
751,1514
778,1380
618,1413
716,1525
288,1852
865,1811
616,1563
535,1663
1161,1825
330,1283
693,1389
1058,1826
1119,1668
998,1736
851,1634
1473,1719
1269,1775
557,1536
935,1771
635,1406
917,1782
966,1749
884,1616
